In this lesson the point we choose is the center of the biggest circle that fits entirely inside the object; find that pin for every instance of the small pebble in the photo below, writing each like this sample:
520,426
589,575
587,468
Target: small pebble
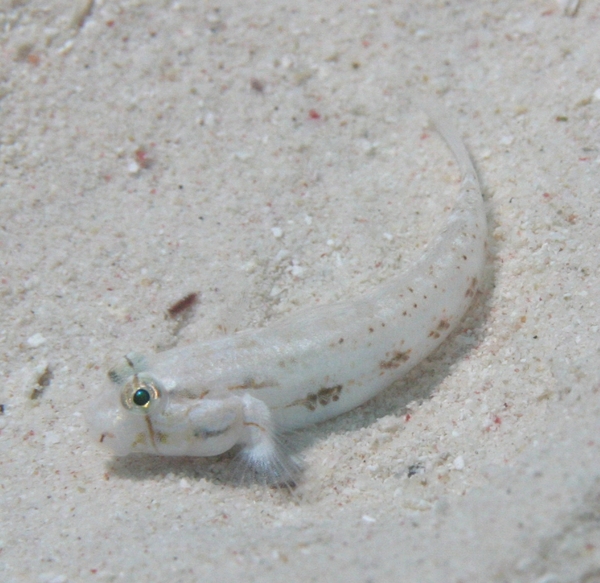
36,340
51,438
459,463
133,168
242,155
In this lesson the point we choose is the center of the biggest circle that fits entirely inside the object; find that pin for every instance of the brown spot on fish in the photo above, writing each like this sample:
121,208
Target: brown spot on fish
398,358
105,435
114,376
443,324
151,431
323,396
251,384
328,394
253,424
140,439
192,394
472,288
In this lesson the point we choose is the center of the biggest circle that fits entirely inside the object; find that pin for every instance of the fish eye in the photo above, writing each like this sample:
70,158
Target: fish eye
141,397
142,393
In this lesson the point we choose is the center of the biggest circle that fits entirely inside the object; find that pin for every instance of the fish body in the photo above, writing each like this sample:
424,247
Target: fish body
242,389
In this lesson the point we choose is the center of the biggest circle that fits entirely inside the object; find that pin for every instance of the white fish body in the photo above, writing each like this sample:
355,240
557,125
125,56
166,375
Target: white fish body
205,398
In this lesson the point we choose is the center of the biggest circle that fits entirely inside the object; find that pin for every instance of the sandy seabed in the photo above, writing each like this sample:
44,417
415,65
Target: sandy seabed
268,157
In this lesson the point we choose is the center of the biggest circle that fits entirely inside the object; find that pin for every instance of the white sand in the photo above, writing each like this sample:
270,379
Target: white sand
139,164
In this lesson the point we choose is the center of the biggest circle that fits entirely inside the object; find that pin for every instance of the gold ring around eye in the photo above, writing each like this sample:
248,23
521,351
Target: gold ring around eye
140,393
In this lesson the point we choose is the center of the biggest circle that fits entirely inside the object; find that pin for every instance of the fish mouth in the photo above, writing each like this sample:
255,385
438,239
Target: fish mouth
103,417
